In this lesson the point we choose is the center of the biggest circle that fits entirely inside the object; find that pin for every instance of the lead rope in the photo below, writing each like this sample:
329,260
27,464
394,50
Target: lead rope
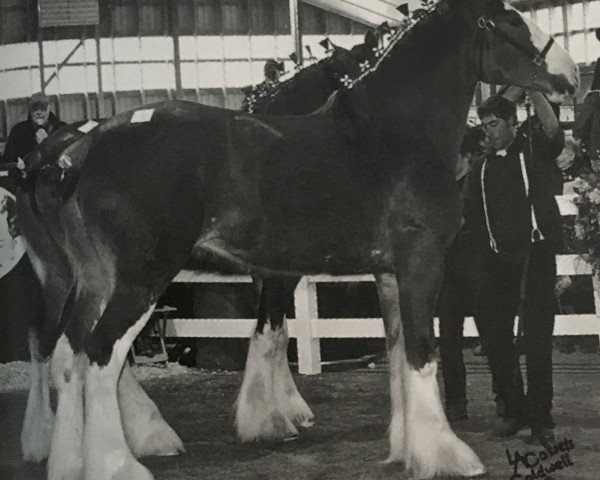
536,234
493,244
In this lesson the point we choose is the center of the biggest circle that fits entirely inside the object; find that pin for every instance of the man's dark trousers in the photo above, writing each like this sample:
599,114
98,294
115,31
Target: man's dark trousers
497,306
464,276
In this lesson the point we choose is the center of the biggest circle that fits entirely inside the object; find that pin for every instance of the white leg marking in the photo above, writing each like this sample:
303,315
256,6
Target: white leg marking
398,371
258,417
432,448
39,418
106,453
65,461
146,431
387,290
38,266
287,397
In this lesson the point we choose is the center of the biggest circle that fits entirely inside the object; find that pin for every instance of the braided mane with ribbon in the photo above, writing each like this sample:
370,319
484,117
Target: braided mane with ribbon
256,96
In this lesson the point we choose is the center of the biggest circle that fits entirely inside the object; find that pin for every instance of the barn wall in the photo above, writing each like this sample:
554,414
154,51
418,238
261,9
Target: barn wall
223,45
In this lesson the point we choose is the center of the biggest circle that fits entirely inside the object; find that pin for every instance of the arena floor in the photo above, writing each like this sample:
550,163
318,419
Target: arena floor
348,439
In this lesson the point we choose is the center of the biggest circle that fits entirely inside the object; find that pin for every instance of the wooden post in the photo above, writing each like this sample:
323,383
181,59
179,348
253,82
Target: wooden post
596,285
100,93
295,29
40,40
172,16
309,348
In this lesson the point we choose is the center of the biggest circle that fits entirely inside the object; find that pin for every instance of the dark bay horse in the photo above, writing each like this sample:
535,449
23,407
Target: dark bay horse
363,185
55,167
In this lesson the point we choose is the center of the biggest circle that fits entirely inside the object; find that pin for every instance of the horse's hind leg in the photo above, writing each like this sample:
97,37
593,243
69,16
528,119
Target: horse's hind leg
145,429
107,455
36,435
387,291
39,418
269,404
69,365
68,372
431,447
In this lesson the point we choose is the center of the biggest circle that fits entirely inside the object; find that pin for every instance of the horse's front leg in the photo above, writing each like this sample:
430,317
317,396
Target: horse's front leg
269,405
387,291
431,447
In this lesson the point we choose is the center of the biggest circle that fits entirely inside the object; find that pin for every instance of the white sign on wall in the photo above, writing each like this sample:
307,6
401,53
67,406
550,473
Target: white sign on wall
60,13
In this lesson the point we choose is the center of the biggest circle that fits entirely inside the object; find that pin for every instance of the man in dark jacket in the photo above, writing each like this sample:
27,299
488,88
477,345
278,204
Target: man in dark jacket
26,135
510,210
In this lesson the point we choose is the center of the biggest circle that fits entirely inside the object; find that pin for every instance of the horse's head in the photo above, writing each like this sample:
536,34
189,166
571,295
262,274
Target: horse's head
510,49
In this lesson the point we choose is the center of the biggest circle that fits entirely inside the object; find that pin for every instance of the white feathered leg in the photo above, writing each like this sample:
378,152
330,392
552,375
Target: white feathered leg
106,453
258,415
36,434
287,397
146,431
65,461
432,448
398,370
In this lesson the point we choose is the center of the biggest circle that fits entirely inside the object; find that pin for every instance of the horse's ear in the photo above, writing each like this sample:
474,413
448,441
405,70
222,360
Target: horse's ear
371,38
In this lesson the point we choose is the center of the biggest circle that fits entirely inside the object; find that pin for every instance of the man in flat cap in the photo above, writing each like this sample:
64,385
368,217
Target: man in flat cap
26,135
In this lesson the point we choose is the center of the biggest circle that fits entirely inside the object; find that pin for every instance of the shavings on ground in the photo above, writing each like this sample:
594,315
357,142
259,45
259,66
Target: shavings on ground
14,376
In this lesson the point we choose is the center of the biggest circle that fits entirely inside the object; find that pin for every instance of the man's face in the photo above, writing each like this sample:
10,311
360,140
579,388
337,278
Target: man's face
499,133
40,112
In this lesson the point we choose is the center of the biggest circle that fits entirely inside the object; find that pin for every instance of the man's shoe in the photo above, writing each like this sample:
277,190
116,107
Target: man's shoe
543,435
455,413
507,427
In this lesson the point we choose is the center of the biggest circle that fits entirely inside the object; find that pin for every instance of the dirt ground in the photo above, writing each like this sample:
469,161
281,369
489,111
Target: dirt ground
348,440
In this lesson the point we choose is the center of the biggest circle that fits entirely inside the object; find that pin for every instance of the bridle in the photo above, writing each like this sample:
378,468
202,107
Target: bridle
487,24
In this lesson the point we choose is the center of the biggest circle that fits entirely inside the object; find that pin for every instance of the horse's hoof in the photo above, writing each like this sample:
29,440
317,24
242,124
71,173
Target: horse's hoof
160,444
129,470
307,423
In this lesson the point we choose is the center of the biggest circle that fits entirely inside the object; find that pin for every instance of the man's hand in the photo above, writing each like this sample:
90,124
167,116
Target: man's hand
513,93
41,135
545,113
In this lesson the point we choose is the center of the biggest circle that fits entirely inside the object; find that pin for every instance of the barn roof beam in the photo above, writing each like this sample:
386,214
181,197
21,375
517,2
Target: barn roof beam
375,12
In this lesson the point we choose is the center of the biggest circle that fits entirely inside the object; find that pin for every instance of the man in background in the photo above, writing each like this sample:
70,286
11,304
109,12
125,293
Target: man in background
26,135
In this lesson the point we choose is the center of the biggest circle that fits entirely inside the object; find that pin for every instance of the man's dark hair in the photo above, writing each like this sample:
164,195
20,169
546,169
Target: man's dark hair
499,106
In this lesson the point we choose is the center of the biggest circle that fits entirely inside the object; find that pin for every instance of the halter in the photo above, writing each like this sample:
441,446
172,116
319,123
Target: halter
484,23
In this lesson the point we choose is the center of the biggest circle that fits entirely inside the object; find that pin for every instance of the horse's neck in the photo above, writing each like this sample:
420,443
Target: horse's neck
303,95
426,103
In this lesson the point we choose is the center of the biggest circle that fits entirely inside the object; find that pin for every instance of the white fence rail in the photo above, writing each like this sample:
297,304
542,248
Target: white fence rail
308,328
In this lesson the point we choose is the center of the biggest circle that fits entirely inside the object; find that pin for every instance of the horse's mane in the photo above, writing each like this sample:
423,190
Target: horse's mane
412,39
258,97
